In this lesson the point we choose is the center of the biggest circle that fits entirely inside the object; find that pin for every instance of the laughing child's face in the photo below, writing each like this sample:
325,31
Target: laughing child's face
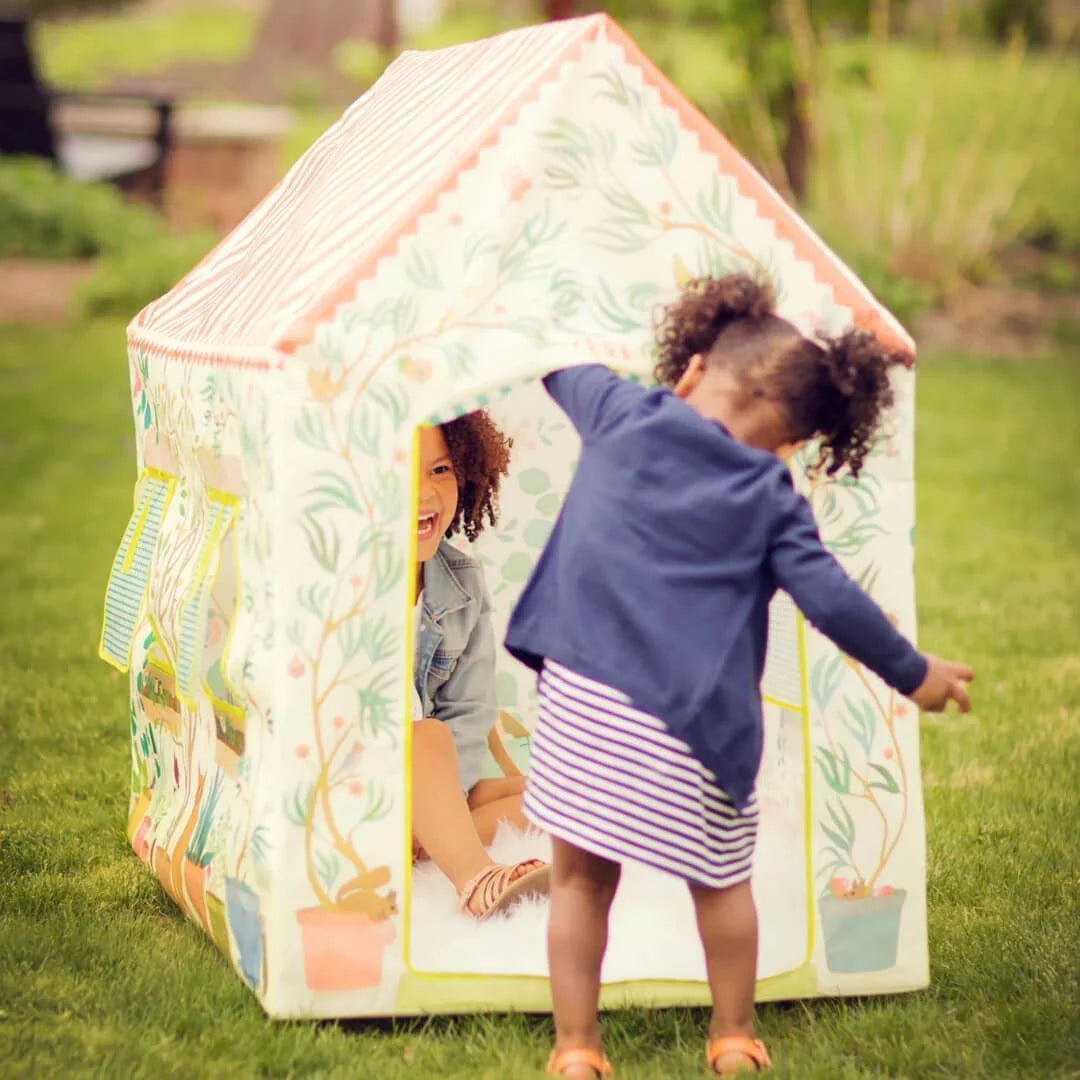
437,497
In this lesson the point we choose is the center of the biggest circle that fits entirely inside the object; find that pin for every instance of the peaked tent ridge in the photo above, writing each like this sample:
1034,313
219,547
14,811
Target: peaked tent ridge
262,292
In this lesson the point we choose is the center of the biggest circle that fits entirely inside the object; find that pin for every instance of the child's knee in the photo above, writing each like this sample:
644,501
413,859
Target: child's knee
577,869
598,891
728,902
432,736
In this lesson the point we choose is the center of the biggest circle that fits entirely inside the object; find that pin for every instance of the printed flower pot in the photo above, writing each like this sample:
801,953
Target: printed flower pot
140,842
219,927
179,850
861,935
343,950
163,869
242,906
195,889
137,814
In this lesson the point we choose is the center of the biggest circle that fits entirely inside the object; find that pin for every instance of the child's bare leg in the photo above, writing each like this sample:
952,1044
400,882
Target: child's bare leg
727,922
494,789
442,823
582,889
492,801
487,818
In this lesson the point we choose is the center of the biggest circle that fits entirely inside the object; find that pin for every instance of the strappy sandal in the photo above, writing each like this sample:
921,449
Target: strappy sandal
497,890
751,1049
590,1059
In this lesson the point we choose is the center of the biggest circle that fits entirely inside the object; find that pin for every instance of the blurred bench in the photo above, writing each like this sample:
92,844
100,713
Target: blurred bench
122,137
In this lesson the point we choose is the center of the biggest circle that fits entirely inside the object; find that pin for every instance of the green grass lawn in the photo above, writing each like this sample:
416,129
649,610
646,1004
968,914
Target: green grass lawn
101,976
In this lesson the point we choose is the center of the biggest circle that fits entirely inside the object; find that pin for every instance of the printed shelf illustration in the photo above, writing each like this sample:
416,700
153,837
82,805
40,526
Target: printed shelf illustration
178,819
556,190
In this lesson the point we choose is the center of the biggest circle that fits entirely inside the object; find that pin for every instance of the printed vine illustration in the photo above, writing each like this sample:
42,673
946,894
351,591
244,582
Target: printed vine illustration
424,316
877,775
861,759
586,159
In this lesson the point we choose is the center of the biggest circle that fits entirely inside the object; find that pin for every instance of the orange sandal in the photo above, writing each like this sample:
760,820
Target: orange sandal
590,1059
751,1049
496,889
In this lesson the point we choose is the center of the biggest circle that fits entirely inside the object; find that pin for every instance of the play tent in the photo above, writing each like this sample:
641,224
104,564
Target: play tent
484,214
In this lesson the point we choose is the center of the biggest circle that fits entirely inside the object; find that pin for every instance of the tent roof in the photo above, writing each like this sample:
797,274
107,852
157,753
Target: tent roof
367,180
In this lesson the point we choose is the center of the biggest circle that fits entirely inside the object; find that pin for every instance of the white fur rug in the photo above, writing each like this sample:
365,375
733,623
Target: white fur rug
653,934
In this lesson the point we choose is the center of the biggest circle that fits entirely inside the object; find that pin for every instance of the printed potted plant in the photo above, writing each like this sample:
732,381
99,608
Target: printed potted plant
245,920
197,854
861,761
146,771
215,903
345,933
347,662
240,910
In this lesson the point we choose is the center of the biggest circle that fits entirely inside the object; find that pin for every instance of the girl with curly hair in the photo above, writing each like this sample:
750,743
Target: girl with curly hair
647,620
455,813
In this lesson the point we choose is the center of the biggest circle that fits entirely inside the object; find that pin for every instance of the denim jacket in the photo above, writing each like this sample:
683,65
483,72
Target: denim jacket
454,670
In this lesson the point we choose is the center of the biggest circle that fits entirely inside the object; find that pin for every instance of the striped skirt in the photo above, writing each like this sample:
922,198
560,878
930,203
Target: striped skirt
612,781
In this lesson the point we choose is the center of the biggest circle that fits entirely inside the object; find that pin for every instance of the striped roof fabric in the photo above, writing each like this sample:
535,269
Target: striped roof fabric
368,178
357,186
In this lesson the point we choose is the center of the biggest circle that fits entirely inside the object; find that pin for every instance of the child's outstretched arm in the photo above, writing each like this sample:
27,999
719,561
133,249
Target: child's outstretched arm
593,397
839,608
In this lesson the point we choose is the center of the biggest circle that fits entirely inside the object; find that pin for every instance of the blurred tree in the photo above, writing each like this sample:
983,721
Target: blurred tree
1007,17
560,9
304,33
779,44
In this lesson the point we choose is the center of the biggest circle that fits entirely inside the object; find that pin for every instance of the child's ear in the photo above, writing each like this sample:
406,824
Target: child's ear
695,371
788,450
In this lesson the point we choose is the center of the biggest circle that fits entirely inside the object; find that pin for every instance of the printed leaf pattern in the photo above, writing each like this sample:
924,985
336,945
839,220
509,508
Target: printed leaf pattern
861,760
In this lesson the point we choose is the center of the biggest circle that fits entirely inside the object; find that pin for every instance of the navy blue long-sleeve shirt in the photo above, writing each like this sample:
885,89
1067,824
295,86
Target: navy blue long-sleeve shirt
657,577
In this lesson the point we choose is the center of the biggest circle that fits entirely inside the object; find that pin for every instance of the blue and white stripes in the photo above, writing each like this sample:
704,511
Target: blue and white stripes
611,780
131,570
193,616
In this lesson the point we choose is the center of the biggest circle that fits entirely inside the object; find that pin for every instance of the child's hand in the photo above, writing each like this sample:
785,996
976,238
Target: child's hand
944,682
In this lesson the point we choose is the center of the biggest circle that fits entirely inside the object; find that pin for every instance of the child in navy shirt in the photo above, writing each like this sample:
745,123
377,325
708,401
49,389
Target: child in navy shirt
646,618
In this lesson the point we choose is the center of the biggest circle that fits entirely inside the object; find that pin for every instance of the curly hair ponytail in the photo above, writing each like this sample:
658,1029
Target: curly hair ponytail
836,391
708,305
839,390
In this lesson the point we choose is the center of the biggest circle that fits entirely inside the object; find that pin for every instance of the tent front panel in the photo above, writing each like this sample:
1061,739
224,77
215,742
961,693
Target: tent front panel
271,778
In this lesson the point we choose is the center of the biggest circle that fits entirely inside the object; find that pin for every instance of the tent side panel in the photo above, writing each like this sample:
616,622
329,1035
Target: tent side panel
194,697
